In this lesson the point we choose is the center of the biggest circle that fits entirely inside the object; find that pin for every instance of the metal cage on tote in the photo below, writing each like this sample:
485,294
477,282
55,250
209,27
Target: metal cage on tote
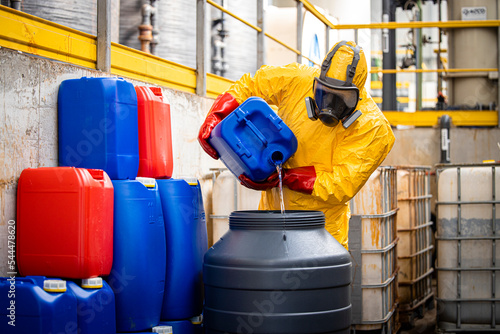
373,244
468,228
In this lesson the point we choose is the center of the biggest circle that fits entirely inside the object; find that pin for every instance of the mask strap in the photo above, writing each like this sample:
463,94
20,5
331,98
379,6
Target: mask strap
351,68
328,60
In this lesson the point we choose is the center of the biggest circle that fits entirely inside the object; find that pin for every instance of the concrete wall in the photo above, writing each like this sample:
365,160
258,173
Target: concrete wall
28,128
28,132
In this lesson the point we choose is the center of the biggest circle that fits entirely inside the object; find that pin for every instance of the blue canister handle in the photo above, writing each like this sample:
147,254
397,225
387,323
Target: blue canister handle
255,131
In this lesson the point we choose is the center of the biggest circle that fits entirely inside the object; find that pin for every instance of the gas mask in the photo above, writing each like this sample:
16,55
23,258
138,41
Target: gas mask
335,100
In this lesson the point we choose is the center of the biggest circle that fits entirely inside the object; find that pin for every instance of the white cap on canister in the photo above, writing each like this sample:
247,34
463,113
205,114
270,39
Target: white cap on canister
148,182
163,329
192,181
54,285
92,283
197,320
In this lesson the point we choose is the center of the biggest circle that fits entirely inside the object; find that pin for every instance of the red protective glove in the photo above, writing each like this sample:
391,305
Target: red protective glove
299,179
271,182
223,106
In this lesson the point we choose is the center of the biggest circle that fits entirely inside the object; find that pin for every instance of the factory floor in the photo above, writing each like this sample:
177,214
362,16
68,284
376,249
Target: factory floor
427,324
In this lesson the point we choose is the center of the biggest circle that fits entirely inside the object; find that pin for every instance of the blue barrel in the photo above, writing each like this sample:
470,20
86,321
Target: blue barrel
95,306
138,273
25,307
253,139
98,126
186,235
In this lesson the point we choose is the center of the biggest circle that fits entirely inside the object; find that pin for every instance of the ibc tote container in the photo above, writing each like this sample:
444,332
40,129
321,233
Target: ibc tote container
468,226
372,243
415,241
229,195
65,222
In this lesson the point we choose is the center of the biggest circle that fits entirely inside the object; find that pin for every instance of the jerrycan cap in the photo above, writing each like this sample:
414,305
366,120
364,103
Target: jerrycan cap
146,181
156,91
53,285
192,181
197,320
162,329
92,283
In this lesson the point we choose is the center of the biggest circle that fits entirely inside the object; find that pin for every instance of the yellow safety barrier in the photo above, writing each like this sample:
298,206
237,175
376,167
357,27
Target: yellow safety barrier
31,34
34,35
441,70
431,118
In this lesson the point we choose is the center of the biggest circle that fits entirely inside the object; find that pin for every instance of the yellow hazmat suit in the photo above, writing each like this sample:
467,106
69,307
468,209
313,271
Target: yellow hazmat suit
343,158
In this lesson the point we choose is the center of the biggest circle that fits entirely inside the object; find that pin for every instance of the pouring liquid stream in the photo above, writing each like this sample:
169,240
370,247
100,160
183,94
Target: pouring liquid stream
282,203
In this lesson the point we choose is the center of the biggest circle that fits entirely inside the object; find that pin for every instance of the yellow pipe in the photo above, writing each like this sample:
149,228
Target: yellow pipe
450,70
419,25
431,118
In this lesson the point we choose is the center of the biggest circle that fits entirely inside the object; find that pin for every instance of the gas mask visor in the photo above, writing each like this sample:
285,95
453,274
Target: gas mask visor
333,103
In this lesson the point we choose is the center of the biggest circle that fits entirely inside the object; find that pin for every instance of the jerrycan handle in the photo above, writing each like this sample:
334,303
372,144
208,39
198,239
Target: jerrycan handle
97,174
256,131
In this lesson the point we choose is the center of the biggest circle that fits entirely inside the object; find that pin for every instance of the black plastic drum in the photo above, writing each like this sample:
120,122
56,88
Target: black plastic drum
274,273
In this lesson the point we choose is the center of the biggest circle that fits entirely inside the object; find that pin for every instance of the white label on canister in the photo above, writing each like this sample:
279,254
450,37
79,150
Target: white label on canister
473,13
444,139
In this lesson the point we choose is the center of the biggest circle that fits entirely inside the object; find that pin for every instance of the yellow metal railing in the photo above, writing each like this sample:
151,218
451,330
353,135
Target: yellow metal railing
34,35
216,5
30,34
449,70
431,118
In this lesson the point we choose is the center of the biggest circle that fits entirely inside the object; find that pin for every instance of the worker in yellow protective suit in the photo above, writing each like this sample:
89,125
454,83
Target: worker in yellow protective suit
335,155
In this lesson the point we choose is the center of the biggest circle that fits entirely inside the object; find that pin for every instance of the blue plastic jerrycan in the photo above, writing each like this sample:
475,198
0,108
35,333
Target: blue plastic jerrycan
37,305
186,239
139,257
98,126
95,306
253,139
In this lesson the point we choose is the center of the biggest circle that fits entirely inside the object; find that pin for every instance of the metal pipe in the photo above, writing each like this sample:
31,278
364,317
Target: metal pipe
419,58
300,24
156,32
261,52
145,28
201,74
389,57
104,35
15,4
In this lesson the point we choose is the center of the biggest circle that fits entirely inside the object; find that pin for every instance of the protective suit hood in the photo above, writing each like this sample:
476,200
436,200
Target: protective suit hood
342,58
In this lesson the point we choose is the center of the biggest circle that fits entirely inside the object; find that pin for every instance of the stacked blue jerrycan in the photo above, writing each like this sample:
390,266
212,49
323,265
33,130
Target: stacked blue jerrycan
138,273
186,237
95,305
98,126
253,139
37,305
